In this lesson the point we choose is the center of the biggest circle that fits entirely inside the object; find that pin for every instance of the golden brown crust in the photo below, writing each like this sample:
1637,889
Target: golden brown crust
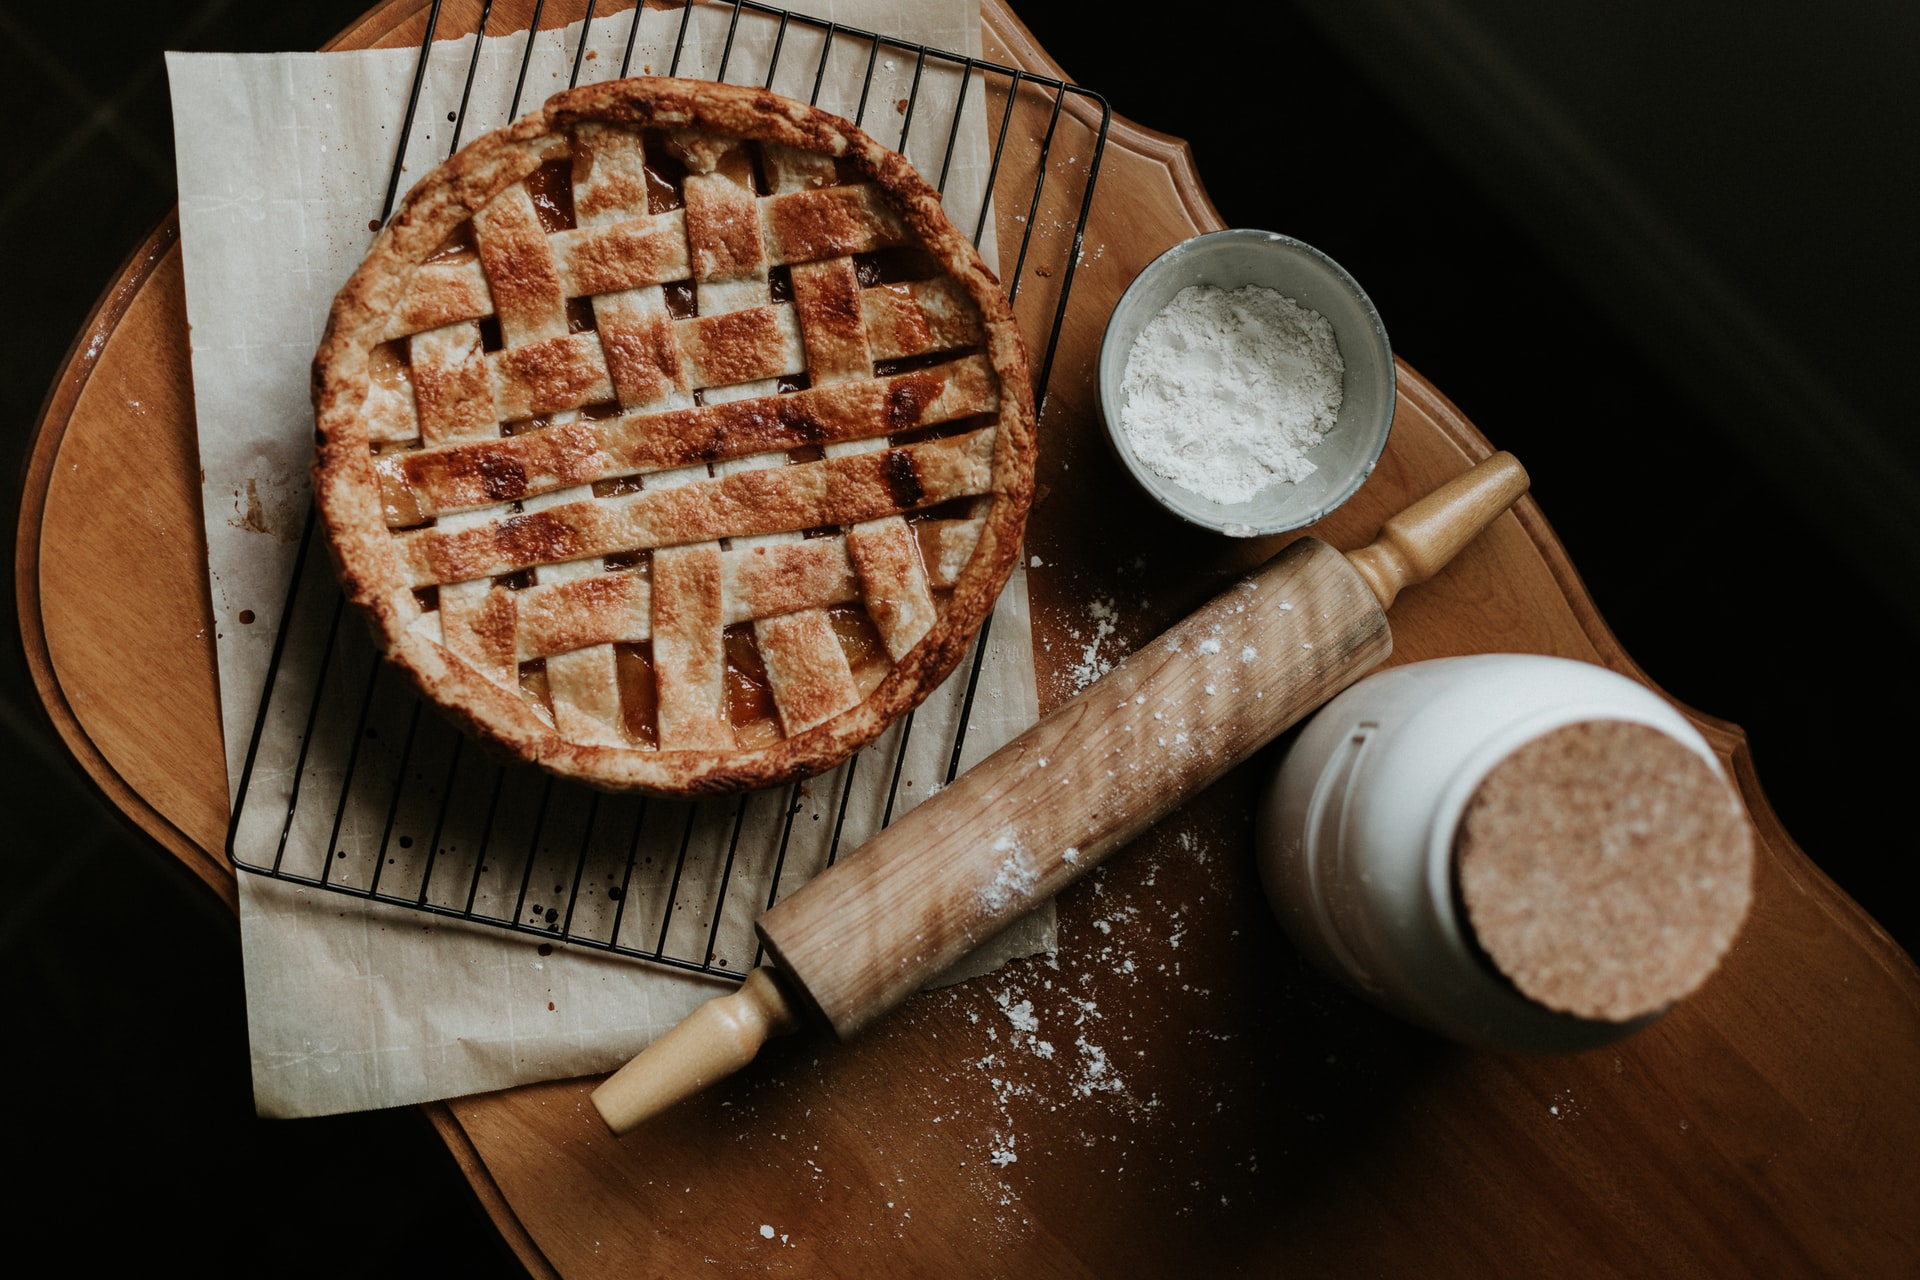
439,461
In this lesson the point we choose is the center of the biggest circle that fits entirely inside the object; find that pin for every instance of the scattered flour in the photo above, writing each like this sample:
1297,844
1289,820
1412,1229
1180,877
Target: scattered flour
1092,665
1020,1015
1054,1052
1096,1076
1226,390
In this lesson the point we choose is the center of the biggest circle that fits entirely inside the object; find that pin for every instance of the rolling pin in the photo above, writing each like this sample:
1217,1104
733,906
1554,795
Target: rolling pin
1049,806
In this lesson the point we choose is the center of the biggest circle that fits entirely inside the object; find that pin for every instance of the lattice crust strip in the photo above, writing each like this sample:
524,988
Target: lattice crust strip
684,438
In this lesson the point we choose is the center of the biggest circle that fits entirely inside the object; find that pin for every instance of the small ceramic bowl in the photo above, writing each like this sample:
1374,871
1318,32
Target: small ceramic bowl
1344,459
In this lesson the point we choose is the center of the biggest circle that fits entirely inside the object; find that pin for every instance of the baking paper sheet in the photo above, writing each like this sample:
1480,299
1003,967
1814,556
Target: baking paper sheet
284,162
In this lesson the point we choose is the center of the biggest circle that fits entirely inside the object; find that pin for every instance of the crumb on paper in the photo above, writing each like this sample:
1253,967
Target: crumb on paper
251,512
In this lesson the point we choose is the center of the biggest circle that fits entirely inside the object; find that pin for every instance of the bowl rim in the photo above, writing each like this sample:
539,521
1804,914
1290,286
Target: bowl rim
1155,486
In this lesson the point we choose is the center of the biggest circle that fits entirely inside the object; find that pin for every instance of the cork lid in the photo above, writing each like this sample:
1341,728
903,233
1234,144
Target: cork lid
1605,869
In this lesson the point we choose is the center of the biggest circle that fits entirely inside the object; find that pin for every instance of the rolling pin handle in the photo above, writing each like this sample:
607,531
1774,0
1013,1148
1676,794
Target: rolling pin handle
1418,543
715,1040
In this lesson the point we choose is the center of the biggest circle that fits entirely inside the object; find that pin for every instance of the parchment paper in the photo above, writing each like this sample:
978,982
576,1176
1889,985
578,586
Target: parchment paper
283,162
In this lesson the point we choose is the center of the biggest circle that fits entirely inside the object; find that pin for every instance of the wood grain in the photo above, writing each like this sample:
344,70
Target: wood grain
1204,1103
110,533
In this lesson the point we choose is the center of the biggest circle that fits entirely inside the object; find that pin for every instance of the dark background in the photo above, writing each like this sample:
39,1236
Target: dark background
1658,258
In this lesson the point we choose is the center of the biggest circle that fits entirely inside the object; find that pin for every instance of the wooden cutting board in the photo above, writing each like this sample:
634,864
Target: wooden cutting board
1172,1092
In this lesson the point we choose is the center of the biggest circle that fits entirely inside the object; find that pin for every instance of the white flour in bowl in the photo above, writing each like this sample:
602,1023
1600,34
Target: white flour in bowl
1227,389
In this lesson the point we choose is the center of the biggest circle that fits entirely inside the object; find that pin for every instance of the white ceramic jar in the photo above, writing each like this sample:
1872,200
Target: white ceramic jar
1355,832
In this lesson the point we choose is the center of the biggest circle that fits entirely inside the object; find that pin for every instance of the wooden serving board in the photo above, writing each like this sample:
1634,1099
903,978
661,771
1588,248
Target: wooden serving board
1173,1092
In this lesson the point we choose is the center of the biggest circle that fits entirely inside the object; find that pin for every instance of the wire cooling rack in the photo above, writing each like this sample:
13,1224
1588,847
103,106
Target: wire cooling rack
351,787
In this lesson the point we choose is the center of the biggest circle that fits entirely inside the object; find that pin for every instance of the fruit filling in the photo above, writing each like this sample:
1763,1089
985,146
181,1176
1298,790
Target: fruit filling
860,641
533,687
551,189
639,698
750,707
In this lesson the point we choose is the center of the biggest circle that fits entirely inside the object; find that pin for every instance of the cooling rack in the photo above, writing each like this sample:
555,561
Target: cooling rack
353,787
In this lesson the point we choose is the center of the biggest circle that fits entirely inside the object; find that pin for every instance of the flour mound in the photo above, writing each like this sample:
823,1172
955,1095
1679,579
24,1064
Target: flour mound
1226,390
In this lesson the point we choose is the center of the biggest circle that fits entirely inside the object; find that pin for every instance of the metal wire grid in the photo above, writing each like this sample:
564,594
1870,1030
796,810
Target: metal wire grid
510,847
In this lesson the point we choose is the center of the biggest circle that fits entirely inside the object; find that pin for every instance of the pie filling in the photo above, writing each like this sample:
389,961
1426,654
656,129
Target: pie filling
681,437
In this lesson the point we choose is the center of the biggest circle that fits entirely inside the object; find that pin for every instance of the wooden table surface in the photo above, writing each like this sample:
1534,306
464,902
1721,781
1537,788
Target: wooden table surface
1209,1104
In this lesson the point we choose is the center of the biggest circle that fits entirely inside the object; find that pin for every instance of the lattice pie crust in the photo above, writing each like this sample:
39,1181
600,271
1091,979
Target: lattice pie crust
672,438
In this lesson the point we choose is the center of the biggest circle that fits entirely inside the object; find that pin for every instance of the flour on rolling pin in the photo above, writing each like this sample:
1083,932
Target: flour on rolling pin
1227,390
1017,876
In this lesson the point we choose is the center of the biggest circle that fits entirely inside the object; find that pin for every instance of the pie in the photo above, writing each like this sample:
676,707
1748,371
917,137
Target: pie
672,438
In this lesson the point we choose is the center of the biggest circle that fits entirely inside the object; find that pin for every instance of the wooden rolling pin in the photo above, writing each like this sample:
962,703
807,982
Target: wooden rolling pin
1046,808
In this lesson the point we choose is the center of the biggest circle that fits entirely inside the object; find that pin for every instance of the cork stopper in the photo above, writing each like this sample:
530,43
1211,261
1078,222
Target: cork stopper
1605,869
